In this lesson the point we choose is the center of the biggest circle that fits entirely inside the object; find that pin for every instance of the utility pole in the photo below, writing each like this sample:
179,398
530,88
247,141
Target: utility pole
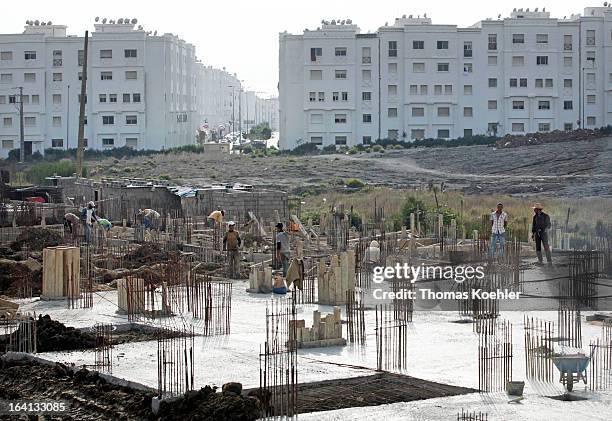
68,118
80,145
21,134
233,115
240,113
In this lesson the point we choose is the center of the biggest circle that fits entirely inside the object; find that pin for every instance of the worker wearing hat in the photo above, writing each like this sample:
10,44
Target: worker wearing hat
283,250
232,243
539,226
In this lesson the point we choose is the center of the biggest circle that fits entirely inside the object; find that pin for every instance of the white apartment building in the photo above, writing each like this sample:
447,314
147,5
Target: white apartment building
144,90
416,80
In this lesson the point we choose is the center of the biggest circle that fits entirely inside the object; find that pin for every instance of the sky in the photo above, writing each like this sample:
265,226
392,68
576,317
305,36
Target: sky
242,35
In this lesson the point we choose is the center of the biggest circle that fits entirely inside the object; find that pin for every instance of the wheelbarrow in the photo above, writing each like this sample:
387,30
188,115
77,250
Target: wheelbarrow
572,368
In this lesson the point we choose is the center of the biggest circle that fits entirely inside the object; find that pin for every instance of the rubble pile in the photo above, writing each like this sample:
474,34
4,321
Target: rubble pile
36,239
514,141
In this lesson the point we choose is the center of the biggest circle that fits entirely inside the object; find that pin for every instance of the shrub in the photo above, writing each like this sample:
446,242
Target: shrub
378,148
354,183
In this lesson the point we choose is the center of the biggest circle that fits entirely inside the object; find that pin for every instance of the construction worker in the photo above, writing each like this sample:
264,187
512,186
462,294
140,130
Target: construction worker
499,222
283,250
231,243
216,216
105,224
541,222
149,218
88,217
71,221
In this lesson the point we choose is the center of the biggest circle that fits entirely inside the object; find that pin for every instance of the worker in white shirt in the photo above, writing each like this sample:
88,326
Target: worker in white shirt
499,222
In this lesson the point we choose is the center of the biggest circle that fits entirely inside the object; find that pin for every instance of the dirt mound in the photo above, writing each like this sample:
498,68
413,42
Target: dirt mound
513,141
146,254
206,404
52,336
16,279
36,239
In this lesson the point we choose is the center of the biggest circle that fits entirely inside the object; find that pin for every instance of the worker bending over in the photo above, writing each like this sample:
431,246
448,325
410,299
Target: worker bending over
149,218
215,216
71,222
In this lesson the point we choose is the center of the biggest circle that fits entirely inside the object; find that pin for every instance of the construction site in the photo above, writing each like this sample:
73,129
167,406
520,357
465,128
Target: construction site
161,316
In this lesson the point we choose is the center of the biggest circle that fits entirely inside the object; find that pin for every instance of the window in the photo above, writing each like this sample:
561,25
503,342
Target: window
313,96
6,78
437,89
112,98
12,99
366,96
543,105
568,126
366,55
492,60
335,96
418,112
29,121
102,98
543,127
340,118
567,42
492,45
29,55
518,38
130,53
442,45
315,53
392,134
539,83
591,121
340,74
344,96
25,99
108,120
567,83
467,89
316,140
518,127
567,61
418,67
131,142
518,105
316,118
542,60
392,90
340,140
57,121
57,99
135,97
591,99
590,56
541,38
467,49
316,75
467,133
448,89
443,111
392,112
423,89
417,134
367,118
468,112
57,77
131,120
518,60
393,68
443,133
590,37
392,50
523,82
7,144
131,75
7,122
106,75
108,141
492,104
513,83
548,83
106,53
340,51
366,75
57,143
80,57
57,58
29,77
35,99
418,45
80,76
321,96
492,82
366,140
2,99
442,67
468,67
568,105
6,55
414,89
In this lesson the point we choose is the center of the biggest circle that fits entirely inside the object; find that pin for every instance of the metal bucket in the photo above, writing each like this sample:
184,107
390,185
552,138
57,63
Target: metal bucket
515,388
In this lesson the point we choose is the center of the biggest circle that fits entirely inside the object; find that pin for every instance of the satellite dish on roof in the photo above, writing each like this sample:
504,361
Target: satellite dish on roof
36,22
97,19
134,21
120,21
333,22
43,23
349,21
403,16
155,33
49,23
424,15
499,16
536,9
104,20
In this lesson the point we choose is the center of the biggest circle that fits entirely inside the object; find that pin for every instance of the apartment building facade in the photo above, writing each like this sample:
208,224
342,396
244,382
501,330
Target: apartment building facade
416,80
